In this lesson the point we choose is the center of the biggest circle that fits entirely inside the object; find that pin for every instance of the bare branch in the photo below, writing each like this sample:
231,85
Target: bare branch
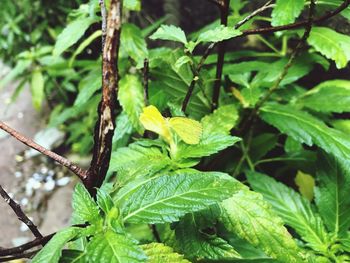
267,5
105,125
58,158
20,214
104,21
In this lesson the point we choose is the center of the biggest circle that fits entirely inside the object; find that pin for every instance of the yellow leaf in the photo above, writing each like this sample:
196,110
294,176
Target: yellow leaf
153,120
190,131
306,184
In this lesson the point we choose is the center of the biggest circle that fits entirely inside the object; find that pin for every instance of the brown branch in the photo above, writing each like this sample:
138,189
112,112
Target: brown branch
105,125
58,158
20,214
224,10
145,81
18,256
209,50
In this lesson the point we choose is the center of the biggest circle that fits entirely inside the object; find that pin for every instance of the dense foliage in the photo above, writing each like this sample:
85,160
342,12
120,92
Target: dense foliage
263,176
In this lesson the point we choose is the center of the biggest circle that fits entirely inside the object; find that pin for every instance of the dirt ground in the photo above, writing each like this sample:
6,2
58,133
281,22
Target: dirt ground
46,201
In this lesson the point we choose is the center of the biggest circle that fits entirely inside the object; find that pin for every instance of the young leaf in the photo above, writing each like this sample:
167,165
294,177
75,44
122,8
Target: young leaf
52,250
37,88
71,34
286,11
306,184
329,96
183,192
114,248
251,218
305,128
331,195
196,244
295,210
189,131
104,200
85,208
331,44
218,34
171,32
160,253
130,96
134,5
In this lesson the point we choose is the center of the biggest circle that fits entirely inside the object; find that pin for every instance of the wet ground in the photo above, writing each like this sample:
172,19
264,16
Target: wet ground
41,187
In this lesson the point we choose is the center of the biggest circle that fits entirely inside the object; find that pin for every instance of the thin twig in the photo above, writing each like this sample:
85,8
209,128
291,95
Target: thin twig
224,10
105,124
58,158
145,72
18,256
20,214
207,53
104,21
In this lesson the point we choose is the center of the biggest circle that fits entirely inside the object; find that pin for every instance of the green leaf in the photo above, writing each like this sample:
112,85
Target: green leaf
251,218
159,253
181,61
110,247
218,34
130,96
331,44
37,88
71,34
331,195
306,184
171,32
52,250
133,43
134,5
84,207
295,210
104,200
305,128
149,160
88,86
72,256
177,194
329,96
20,67
196,244
286,11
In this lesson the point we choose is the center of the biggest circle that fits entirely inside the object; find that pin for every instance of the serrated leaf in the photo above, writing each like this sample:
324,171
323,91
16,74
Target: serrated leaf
110,247
196,244
130,96
305,128
295,210
331,44
160,253
218,34
71,34
84,207
52,250
329,96
133,43
331,194
104,200
37,88
171,32
177,194
189,131
134,5
306,184
251,218
286,11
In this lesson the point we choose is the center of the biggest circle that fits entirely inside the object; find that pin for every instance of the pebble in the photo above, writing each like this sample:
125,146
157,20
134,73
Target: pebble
49,185
23,227
63,181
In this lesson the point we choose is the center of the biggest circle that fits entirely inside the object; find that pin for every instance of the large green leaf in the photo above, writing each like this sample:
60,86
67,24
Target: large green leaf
166,198
295,210
286,11
196,244
133,43
251,218
218,34
71,34
329,96
110,247
171,32
332,193
130,96
331,44
37,88
159,253
52,250
84,207
305,128
88,86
